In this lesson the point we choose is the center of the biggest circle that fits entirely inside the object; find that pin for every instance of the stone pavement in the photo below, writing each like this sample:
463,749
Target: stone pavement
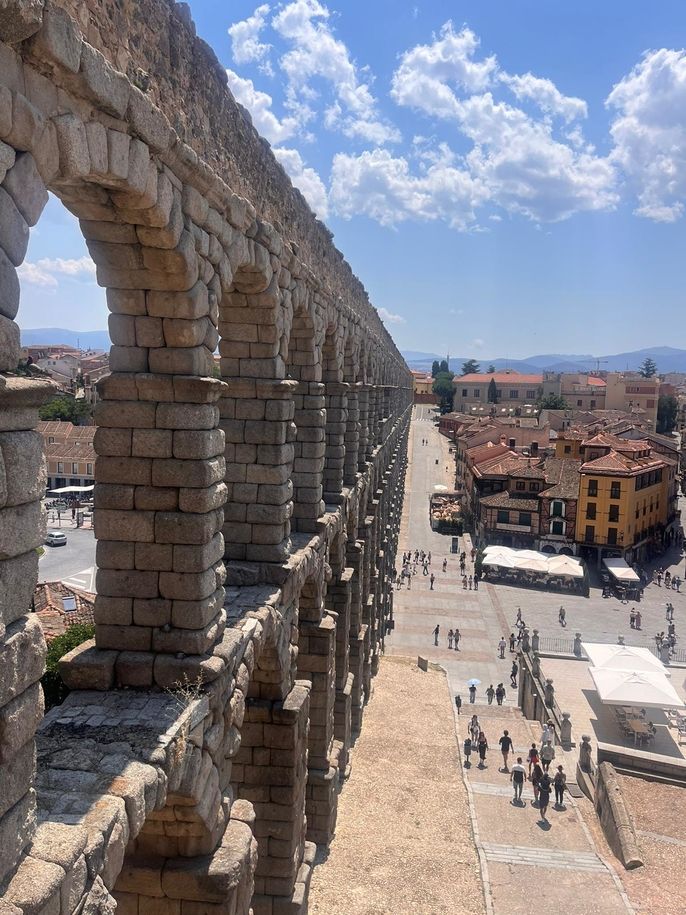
525,862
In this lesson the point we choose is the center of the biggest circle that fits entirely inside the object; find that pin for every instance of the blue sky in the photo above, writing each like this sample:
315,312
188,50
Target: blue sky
506,178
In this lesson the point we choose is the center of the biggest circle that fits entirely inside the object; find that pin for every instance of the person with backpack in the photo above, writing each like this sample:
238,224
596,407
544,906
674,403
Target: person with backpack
559,783
518,777
544,786
536,776
547,755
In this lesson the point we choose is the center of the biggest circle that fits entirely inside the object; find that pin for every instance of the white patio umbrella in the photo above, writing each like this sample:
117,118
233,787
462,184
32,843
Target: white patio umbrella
531,563
439,487
623,657
636,688
565,566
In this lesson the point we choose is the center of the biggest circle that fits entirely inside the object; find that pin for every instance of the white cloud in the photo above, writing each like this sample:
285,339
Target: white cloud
389,318
305,179
426,72
517,160
382,187
317,54
245,44
259,104
546,95
649,132
45,271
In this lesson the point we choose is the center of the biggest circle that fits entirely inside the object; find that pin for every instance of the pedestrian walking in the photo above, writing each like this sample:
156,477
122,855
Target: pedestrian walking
445,565
519,616
544,794
467,749
476,583
548,733
464,582
472,694
499,693
458,703
559,783
456,638
513,639
547,755
431,582
436,633
490,694
505,748
536,776
474,728
532,757
513,675
429,557
637,620
562,617
632,618
450,638
501,646
469,582
483,748
518,777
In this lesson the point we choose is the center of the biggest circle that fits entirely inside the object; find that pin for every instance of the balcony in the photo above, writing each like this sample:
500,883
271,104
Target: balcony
517,528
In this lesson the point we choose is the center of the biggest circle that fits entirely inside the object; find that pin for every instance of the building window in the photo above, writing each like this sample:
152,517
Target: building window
568,449
514,395
592,404
557,527
464,392
589,535
477,393
499,393
74,467
556,509
579,403
60,467
650,404
533,487
531,395
503,517
590,511
615,490
593,487
89,470
614,513
51,440
520,485
612,535
525,519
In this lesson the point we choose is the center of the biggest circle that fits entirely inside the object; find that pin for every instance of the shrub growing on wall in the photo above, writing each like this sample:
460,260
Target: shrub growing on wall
54,689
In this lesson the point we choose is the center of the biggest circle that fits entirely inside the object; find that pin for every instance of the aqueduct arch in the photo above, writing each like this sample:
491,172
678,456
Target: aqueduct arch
212,794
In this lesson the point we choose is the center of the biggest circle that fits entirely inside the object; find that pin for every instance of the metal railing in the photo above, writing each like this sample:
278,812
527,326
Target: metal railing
677,654
556,644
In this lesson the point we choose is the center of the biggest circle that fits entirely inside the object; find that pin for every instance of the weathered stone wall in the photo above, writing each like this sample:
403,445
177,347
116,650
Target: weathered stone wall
246,526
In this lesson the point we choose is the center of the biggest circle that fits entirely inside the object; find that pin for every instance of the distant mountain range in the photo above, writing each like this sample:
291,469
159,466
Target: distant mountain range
82,339
667,359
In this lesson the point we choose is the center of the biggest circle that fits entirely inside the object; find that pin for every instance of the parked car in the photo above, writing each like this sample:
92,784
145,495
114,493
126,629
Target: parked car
56,538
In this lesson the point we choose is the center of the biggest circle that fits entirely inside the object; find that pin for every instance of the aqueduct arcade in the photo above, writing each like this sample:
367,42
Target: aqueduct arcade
246,524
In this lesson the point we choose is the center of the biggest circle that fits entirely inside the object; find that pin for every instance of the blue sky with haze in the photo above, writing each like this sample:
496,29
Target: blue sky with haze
505,177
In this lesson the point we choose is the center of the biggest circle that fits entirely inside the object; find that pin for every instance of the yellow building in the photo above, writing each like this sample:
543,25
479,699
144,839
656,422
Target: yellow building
630,391
423,387
625,506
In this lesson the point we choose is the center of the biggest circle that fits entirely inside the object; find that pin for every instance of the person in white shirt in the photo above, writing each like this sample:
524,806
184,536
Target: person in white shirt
518,777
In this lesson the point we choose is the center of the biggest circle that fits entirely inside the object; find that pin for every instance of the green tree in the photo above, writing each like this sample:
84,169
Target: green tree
647,368
471,367
667,408
492,391
491,369
553,402
444,367
65,408
53,686
435,368
443,389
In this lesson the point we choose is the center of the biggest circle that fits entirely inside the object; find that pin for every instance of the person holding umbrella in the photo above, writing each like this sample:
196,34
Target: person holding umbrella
472,684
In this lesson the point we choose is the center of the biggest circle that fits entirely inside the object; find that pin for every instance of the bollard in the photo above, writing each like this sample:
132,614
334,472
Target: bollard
577,644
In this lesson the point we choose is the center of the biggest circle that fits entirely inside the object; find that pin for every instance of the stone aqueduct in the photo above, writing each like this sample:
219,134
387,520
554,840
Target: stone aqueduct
246,524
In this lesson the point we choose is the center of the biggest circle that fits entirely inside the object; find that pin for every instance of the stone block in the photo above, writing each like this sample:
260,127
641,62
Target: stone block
26,188
153,443
113,496
113,442
203,500
198,444
17,583
188,473
186,527
154,556
16,775
18,722
59,39
22,656
102,83
9,345
114,554
124,638
190,586
128,359
127,583
156,498
155,387
187,416
87,667
19,19
149,331
152,612
73,146
17,827
211,878
116,611
9,288
14,231
134,526
198,558
186,305
125,414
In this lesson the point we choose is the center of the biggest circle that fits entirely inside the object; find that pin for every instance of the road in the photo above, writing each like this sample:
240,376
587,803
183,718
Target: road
74,563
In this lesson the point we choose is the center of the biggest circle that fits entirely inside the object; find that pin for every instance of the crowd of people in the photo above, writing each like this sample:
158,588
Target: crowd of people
537,769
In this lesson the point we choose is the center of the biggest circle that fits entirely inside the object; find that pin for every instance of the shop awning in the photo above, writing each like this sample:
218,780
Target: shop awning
64,489
620,570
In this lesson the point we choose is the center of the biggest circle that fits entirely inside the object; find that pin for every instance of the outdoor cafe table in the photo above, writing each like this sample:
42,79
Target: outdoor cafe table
639,729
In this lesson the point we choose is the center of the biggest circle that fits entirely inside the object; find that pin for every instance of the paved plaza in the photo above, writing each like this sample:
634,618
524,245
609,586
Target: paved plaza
519,853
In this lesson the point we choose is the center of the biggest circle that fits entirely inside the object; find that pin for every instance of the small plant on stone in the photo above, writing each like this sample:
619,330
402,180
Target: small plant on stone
186,691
